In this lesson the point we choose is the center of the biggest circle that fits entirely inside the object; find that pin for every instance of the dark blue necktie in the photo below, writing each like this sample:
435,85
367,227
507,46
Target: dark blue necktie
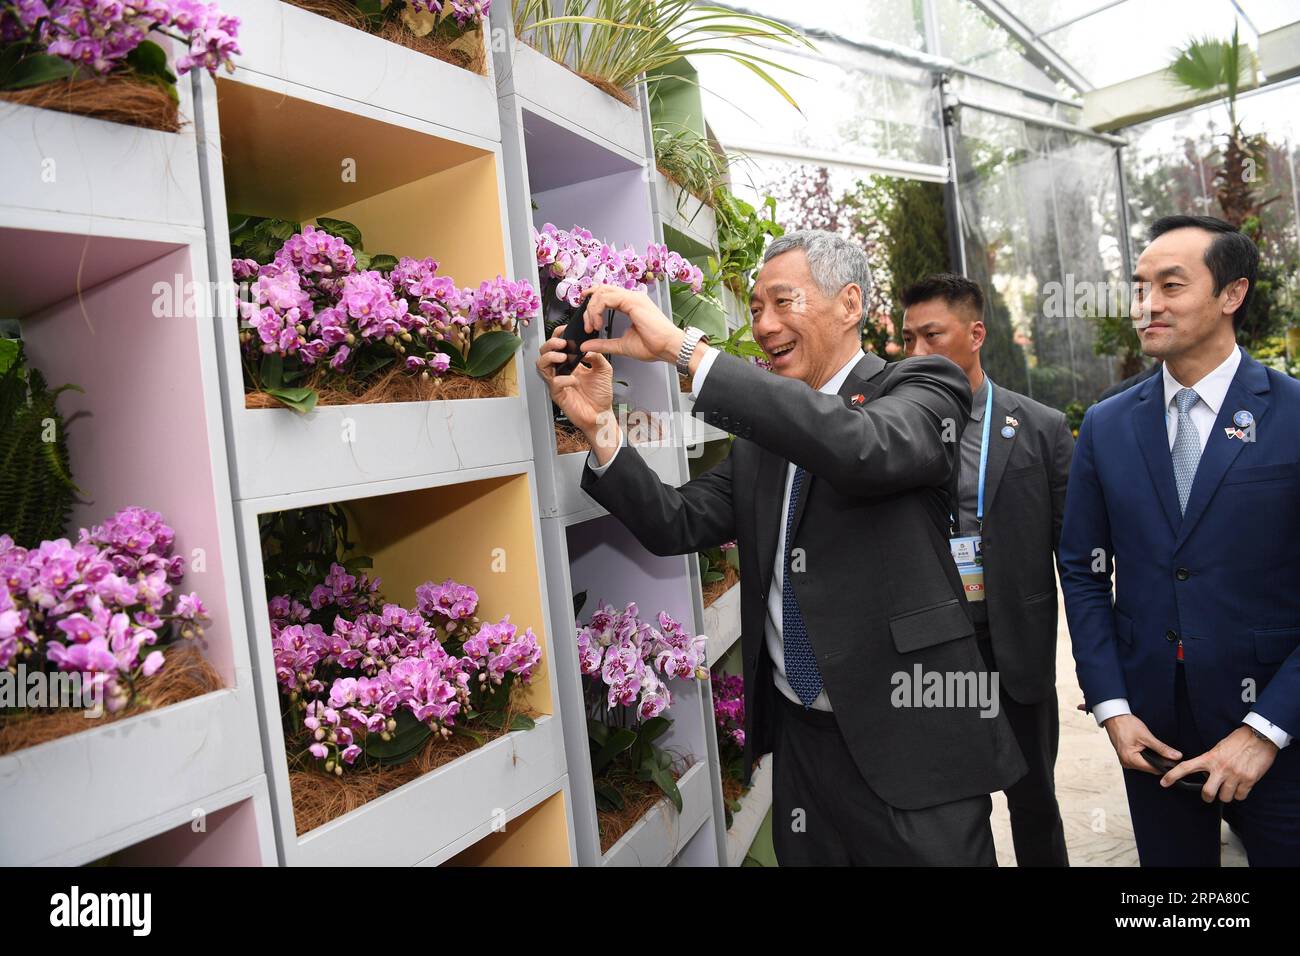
800,664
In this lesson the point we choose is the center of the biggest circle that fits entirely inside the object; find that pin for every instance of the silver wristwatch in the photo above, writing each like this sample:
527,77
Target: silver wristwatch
693,338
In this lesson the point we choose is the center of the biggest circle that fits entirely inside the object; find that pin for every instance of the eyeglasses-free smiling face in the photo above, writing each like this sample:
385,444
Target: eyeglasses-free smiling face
804,333
1174,308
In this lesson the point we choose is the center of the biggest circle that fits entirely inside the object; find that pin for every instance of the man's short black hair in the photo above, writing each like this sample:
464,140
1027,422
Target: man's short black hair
1231,254
952,288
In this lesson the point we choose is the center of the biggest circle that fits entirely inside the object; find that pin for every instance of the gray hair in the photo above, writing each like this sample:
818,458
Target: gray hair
835,262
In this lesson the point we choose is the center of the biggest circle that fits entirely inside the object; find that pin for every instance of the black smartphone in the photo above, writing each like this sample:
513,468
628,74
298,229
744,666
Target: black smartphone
575,335
1162,763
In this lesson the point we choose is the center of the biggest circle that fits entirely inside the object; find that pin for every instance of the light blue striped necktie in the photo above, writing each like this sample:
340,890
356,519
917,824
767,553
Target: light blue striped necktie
1187,446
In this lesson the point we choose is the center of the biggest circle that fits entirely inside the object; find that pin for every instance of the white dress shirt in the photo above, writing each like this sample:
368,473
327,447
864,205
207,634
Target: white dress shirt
1211,392
772,630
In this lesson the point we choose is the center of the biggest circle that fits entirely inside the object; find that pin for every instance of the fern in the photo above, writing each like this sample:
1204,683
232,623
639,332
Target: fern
36,487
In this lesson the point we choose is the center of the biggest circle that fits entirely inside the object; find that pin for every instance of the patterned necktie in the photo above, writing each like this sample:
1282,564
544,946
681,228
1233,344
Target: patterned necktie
1187,446
800,664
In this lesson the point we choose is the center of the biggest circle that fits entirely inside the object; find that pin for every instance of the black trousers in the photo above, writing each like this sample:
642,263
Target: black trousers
1175,827
825,814
1036,829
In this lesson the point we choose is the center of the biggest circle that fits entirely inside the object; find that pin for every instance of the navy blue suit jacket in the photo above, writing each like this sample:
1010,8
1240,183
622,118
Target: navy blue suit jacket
1224,577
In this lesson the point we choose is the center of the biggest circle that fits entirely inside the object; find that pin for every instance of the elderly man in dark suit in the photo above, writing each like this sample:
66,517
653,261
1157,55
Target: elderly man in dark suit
837,490
1015,463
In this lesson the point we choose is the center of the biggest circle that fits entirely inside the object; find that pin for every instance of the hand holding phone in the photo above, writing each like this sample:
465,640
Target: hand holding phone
1194,781
575,335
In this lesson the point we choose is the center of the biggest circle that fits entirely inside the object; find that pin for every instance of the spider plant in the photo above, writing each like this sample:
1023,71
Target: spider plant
616,41
689,160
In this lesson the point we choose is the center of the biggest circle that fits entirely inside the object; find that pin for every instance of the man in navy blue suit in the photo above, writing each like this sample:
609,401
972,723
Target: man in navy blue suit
1189,484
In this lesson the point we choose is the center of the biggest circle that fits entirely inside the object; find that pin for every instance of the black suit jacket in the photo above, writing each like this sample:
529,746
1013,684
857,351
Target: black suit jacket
1024,505
879,592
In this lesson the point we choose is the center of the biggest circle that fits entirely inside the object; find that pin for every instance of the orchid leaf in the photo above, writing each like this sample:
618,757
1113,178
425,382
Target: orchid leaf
497,718
490,352
620,740
149,61
597,733
607,796
35,69
404,743
455,354
301,400
654,728
272,370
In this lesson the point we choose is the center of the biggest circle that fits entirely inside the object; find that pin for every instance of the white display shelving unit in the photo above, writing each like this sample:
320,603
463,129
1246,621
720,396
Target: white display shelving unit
99,223
103,255
409,149
754,806
405,525
575,155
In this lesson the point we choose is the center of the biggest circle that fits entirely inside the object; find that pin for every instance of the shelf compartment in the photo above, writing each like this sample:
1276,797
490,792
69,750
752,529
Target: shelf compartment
574,505
285,42
541,835
694,222
221,833
151,440
401,174
92,175
722,623
478,527
754,807
659,836
554,91
612,567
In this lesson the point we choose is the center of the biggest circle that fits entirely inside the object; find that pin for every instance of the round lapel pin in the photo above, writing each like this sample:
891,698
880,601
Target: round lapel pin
1243,419
1008,431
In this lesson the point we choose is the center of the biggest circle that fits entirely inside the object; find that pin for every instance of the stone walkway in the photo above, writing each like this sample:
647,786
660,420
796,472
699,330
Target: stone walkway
1089,786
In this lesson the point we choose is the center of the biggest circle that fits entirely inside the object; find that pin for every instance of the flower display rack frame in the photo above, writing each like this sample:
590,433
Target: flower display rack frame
380,170
78,266
491,515
575,155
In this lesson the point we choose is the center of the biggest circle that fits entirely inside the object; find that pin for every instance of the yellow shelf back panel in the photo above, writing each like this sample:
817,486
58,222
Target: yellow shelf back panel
478,533
537,837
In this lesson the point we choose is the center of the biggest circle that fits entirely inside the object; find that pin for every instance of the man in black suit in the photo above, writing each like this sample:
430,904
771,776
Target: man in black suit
1019,451
836,488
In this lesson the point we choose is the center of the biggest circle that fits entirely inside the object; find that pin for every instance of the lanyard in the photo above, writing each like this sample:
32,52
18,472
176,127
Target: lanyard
984,458
984,453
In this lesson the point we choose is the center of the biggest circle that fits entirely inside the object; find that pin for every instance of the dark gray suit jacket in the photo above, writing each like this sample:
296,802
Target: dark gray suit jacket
1024,504
880,593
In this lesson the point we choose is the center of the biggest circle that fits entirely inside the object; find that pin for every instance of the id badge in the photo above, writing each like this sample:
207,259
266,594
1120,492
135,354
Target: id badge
968,552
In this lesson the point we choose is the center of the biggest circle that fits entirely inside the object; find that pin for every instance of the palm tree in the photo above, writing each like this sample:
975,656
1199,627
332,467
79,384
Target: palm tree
1208,65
